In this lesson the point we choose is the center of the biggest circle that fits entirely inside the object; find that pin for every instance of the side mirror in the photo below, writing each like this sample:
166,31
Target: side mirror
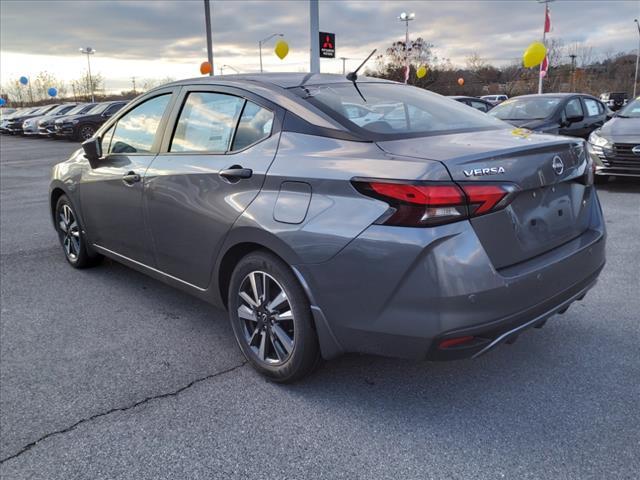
92,150
574,118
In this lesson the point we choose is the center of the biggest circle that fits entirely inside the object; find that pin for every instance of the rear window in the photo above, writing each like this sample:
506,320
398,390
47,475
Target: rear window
385,111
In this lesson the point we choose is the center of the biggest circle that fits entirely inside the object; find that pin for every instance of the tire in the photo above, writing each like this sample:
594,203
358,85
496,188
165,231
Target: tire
72,237
283,349
85,131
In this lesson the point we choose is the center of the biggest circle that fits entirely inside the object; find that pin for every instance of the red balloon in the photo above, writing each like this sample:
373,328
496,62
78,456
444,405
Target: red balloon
205,68
461,81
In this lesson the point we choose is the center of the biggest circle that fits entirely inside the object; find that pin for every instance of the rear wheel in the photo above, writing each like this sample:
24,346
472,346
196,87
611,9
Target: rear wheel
72,237
85,132
271,318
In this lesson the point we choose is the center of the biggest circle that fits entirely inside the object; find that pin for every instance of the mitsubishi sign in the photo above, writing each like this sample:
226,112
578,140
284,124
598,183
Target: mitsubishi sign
327,45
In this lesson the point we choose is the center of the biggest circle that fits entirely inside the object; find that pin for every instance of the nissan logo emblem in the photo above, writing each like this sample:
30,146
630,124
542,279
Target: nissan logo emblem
558,165
636,150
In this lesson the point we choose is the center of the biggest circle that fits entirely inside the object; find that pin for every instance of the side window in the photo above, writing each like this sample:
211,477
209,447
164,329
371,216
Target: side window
592,107
113,109
574,108
255,124
136,130
206,123
479,106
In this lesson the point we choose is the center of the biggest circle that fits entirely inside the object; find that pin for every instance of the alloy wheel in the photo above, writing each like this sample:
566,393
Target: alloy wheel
86,132
266,318
69,232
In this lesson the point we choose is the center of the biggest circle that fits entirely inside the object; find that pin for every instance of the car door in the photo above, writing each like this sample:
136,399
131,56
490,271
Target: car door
111,190
595,115
572,122
218,146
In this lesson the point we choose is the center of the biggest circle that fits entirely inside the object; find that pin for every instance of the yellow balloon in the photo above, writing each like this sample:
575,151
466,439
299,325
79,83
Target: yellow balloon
282,49
422,72
534,55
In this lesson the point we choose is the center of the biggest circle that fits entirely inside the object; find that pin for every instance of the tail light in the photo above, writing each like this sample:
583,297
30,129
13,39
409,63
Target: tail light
415,204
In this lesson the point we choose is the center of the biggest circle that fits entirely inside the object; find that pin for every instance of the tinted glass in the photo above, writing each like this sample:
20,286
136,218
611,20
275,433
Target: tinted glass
255,124
206,123
574,108
526,108
114,108
99,108
136,130
397,110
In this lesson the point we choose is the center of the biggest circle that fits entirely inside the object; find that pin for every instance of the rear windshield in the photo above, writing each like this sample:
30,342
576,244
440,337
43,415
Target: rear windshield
386,111
526,108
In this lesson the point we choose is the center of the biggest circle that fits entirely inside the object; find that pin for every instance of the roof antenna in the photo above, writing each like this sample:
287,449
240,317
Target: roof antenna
353,76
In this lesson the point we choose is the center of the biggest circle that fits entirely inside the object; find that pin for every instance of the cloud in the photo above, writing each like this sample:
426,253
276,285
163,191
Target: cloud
173,32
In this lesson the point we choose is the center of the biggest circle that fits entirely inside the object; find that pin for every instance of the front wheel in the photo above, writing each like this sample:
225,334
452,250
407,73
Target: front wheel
271,318
72,237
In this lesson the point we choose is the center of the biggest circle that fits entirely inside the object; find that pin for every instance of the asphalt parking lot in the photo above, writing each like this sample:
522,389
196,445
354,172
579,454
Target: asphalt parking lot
106,373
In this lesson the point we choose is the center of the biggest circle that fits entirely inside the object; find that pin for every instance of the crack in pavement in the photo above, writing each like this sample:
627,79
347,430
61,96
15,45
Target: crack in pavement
29,446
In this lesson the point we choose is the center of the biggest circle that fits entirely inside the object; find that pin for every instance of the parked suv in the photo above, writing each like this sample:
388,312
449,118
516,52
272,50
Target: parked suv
494,99
571,114
614,100
83,125
31,125
439,236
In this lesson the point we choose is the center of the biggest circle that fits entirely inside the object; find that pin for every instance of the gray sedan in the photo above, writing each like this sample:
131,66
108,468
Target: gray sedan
433,231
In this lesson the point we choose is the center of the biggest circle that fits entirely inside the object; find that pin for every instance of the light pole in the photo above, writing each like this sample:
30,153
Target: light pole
207,25
344,59
406,18
635,80
264,40
88,51
228,66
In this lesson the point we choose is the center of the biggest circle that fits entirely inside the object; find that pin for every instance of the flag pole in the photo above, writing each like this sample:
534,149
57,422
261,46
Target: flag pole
544,41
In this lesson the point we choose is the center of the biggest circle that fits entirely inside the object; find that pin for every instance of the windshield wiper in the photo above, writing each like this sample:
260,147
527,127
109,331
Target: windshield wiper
353,76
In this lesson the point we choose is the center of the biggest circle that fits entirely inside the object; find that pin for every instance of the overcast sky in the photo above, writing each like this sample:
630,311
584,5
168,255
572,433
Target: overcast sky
167,38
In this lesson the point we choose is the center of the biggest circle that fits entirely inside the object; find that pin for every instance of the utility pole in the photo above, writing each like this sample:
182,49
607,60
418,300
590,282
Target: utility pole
544,39
344,59
314,37
133,80
573,71
635,80
207,21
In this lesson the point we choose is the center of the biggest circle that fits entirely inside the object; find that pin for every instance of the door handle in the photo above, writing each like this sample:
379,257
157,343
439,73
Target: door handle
131,178
236,173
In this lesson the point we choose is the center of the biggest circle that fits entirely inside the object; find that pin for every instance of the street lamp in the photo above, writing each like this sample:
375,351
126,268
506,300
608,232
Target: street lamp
266,40
89,51
406,18
635,80
228,66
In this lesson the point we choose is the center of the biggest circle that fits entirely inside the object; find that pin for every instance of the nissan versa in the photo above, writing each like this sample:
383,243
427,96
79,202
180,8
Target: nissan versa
434,231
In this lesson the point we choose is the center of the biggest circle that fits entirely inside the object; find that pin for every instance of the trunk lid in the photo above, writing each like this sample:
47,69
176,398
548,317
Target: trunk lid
552,205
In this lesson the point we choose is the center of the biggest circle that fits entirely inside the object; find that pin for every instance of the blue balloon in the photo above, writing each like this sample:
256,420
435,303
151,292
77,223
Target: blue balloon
24,80
2,101
52,92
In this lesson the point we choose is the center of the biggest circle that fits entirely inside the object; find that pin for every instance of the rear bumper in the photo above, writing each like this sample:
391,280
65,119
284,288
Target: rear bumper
401,291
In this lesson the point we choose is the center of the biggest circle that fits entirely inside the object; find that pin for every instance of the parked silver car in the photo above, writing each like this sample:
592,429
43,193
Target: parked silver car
434,231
